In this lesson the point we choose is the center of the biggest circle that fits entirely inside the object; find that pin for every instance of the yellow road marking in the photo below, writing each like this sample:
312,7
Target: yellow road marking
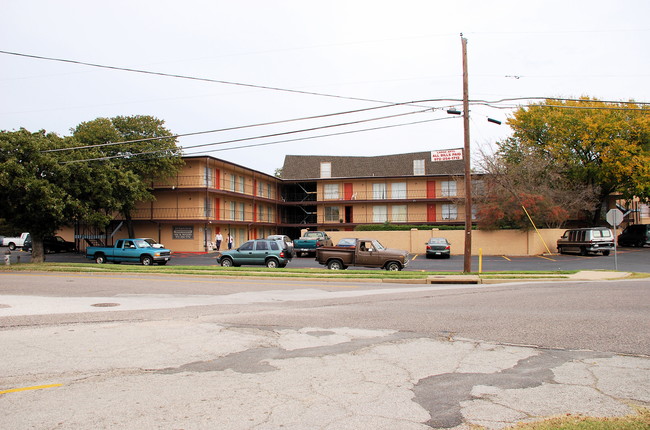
503,256
546,258
38,387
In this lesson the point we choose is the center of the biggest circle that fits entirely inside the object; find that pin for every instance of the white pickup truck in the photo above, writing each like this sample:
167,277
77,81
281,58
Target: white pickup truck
15,242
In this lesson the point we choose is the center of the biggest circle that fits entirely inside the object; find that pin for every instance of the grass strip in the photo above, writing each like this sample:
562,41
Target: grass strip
638,421
262,271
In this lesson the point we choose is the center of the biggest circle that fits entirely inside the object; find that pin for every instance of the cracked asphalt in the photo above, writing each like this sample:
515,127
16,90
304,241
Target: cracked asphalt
195,374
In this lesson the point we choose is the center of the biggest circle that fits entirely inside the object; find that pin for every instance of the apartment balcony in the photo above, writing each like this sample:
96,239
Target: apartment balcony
223,185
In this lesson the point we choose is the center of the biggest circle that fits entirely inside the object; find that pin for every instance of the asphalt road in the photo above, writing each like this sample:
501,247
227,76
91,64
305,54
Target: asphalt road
612,316
626,259
139,351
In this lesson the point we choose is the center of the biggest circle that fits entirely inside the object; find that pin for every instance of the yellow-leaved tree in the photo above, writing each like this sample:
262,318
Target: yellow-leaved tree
598,144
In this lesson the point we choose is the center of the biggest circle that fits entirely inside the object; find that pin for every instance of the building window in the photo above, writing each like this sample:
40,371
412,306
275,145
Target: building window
242,184
233,180
398,190
233,211
379,214
242,212
332,214
448,188
260,213
449,212
331,191
418,167
207,206
398,213
325,169
270,213
268,190
208,179
260,189
379,191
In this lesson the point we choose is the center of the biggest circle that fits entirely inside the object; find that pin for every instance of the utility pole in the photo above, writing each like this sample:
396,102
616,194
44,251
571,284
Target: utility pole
467,266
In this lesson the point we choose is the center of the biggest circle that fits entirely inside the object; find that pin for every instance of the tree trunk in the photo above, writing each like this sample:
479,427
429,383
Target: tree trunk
129,223
595,220
38,252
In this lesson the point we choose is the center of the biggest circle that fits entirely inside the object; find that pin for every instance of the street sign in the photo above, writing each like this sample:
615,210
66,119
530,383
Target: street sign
614,217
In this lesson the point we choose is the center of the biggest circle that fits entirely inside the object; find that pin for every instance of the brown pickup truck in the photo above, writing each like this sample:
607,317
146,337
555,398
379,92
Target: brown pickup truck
365,253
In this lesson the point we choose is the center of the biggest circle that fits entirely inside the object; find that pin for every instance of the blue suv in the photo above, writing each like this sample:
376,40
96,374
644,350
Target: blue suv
266,252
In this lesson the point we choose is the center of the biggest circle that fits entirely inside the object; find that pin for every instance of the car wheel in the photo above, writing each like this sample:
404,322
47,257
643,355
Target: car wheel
583,251
12,246
226,262
393,266
146,260
100,259
335,265
640,243
605,253
272,263
560,250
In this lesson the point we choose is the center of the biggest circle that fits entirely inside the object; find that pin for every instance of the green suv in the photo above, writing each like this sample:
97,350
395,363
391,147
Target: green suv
269,253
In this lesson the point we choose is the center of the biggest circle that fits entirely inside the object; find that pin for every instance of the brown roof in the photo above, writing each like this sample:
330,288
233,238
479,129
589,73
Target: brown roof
308,166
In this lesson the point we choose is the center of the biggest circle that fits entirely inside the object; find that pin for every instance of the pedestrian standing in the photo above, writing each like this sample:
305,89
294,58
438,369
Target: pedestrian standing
218,239
230,241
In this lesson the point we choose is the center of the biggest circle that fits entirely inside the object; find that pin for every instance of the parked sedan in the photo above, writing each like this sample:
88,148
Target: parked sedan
438,247
51,244
255,252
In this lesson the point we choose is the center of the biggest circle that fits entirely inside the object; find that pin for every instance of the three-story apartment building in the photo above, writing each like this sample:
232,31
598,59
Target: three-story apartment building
210,196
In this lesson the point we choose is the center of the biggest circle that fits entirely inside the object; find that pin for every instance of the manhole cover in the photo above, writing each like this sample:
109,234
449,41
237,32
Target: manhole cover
105,305
4,306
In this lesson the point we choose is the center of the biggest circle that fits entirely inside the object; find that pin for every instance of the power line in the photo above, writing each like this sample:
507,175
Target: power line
193,78
255,137
327,135
412,103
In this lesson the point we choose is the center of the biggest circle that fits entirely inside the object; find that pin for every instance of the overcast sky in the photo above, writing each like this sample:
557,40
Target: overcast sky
355,54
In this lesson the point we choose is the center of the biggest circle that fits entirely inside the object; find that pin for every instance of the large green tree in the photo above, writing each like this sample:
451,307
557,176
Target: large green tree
36,195
105,167
136,151
596,144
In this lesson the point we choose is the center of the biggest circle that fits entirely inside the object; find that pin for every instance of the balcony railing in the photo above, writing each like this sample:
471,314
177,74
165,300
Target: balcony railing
367,195
224,184
201,214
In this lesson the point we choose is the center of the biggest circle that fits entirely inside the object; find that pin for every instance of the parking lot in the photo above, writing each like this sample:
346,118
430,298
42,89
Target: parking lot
625,259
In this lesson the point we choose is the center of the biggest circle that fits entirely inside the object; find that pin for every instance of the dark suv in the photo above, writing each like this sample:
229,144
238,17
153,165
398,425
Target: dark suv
256,252
635,235
586,240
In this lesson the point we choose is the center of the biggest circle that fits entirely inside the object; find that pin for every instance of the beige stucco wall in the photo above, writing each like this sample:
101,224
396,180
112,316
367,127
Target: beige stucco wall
501,242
